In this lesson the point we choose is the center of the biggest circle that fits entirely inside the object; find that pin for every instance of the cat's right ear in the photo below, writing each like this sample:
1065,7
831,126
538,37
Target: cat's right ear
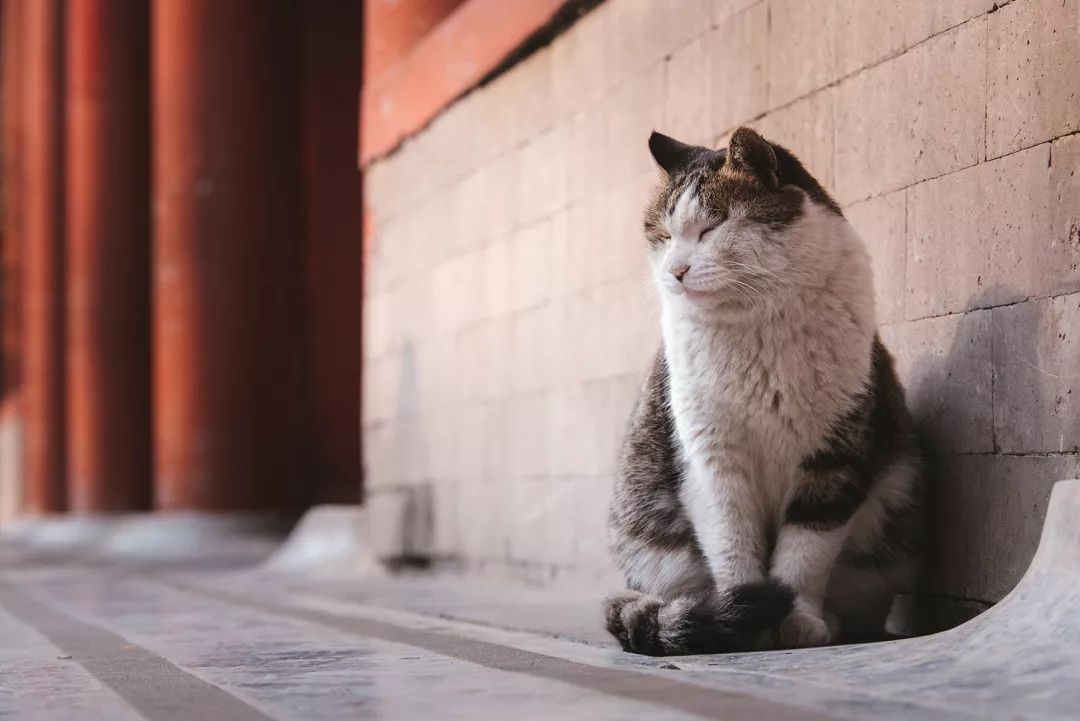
670,154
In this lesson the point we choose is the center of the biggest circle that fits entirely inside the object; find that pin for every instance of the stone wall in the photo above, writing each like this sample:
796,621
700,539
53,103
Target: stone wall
508,317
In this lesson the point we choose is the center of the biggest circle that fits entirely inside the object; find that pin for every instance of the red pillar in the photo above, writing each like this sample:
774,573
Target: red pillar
43,228
11,240
108,343
331,54
226,258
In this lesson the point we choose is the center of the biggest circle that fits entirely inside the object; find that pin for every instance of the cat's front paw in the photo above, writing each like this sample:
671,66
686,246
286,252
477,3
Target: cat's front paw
802,629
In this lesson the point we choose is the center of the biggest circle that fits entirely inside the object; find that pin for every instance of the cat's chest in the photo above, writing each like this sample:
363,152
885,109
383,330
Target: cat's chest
752,391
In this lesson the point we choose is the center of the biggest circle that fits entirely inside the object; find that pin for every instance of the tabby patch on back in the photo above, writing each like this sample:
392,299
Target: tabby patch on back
768,490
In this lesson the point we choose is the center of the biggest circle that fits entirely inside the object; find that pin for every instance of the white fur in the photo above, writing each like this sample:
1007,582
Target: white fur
768,340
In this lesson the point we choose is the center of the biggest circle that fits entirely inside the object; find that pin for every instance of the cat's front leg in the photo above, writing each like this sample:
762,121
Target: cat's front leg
720,501
816,526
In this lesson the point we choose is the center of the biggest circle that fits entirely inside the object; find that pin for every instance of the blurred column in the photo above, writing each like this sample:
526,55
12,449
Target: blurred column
11,241
108,243
226,263
43,262
331,53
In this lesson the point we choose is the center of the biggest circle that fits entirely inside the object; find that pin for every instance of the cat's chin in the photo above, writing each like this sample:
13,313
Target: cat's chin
711,300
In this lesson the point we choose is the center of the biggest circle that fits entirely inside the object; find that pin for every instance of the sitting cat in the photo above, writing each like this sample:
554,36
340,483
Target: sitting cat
769,486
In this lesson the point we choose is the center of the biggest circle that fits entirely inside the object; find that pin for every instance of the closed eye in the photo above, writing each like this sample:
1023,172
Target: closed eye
711,228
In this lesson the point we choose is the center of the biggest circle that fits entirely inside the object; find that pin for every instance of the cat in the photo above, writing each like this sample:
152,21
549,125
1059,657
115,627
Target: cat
769,489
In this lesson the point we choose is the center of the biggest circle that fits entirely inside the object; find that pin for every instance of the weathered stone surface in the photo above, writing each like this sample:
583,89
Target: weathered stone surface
687,102
882,223
736,61
868,32
981,237
640,33
945,365
926,19
1037,376
1065,207
802,48
805,128
917,116
1034,86
986,514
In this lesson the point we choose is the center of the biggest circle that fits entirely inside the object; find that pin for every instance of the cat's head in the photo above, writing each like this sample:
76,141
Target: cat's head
735,228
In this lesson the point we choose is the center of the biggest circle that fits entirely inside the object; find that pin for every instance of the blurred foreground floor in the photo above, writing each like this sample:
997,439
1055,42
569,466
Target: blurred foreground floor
98,639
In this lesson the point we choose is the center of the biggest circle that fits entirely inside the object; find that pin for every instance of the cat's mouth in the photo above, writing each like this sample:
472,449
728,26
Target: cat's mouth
715,298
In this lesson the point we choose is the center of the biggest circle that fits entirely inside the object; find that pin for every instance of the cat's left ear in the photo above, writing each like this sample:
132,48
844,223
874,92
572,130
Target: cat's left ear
751,152
670,154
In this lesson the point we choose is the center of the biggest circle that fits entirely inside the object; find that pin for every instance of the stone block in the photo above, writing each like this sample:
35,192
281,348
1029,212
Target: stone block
722,10
495,370
496,277
589,155
986,513
736,58
686,102
483,511
530,352
868,32
916,116
498,433
543,174
635,326
1034,85
617,243
805,128
802,48
578,70
527,95
528,437
635,108
640,33
882,223
379,383
981,237
931,17
946,366
378,325
1037,376
458,290
530,266
500,208
472,358
401,522
543,527
592,498
571,432
1065,207
446,522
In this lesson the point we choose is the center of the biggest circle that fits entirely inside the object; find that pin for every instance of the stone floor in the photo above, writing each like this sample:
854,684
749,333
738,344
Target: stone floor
96,638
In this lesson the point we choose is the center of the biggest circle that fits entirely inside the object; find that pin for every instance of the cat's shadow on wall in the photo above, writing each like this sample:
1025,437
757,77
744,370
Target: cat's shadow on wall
951,397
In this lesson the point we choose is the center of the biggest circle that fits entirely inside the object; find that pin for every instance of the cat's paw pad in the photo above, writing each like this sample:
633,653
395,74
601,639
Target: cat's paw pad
802,630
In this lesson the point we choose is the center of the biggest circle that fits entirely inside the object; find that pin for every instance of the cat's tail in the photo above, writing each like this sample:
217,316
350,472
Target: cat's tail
731,620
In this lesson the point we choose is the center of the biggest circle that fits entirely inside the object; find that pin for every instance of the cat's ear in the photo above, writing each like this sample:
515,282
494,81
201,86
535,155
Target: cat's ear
750,152
670,154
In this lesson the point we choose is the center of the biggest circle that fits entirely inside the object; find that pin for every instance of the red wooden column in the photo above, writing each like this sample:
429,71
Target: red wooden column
226,258
108,243
331,192
43,262
11,241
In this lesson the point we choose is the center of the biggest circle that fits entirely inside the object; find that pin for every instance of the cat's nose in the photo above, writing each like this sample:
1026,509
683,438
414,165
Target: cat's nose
680,270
